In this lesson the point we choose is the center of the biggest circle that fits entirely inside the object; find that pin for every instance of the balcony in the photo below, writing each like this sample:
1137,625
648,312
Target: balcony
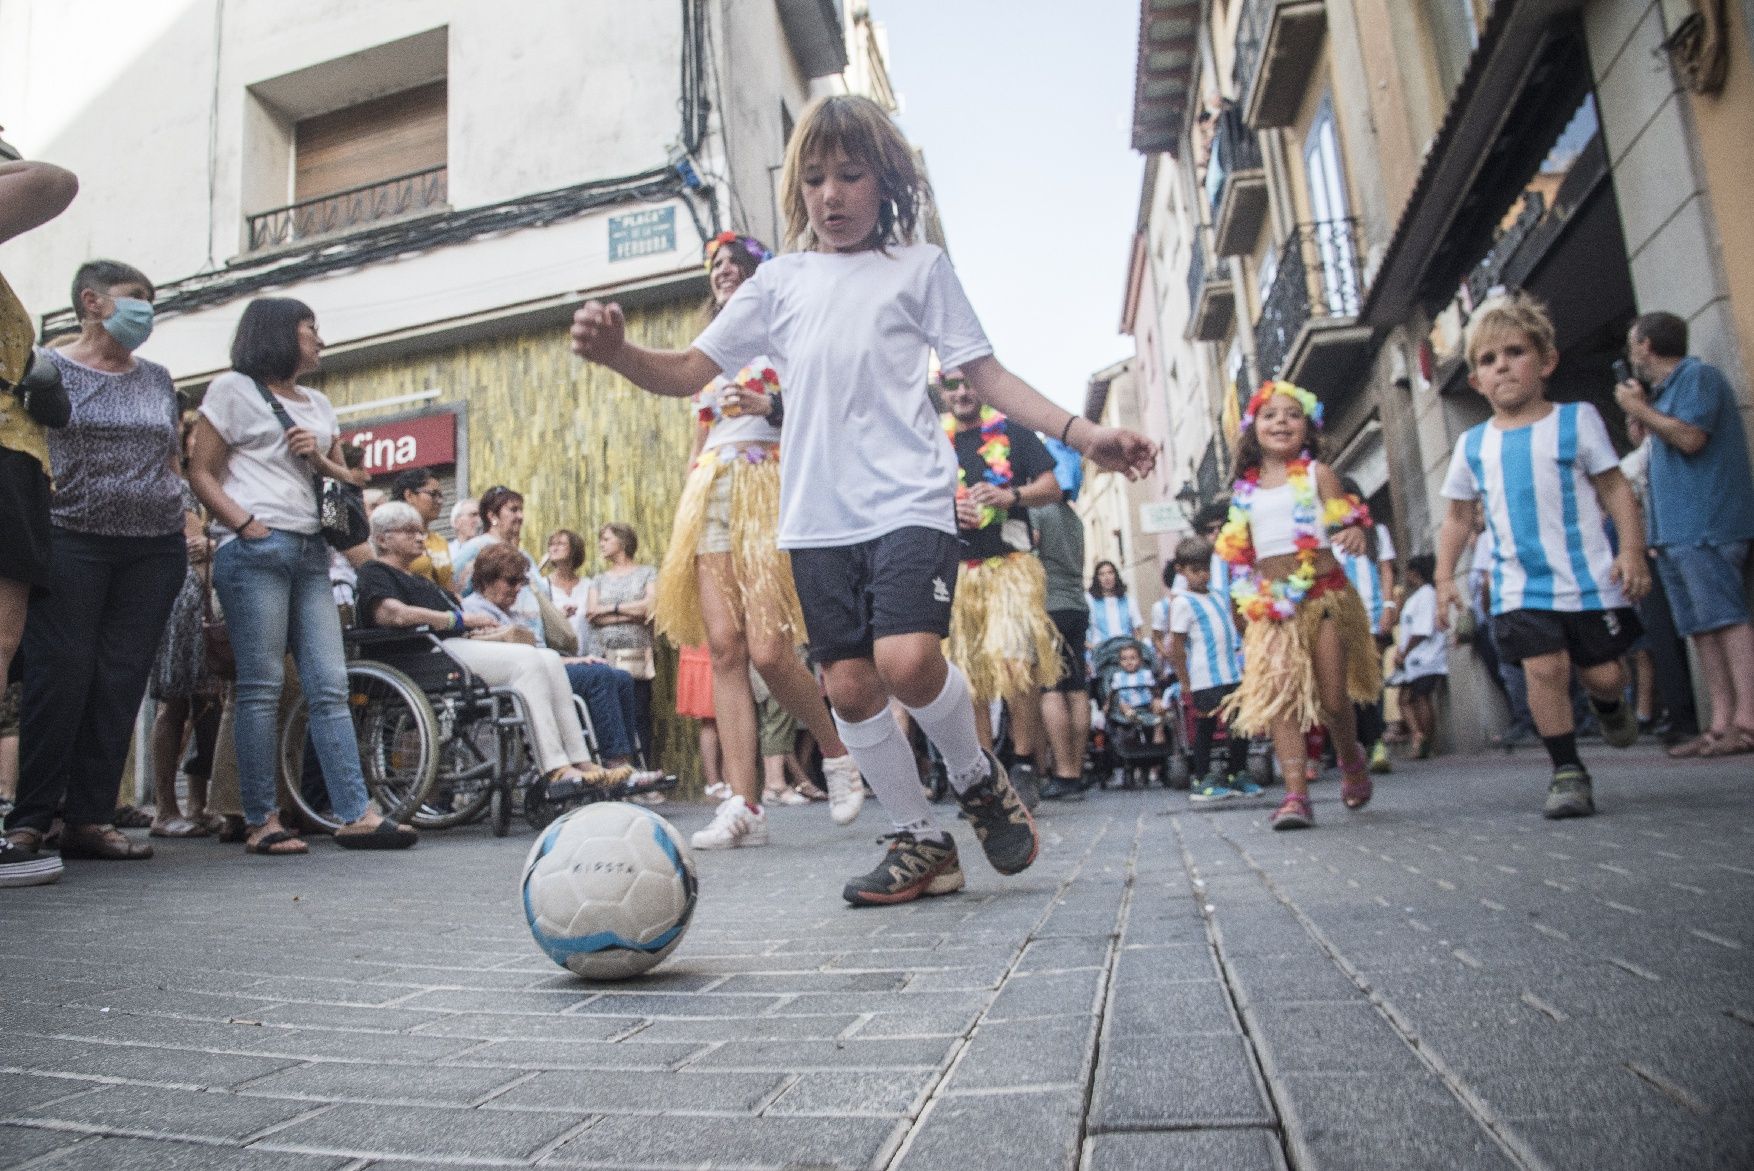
329,215
1236,183
1277,42
1211,295
1309,332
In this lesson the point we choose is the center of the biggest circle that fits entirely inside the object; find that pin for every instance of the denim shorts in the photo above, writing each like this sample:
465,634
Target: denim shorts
1704,584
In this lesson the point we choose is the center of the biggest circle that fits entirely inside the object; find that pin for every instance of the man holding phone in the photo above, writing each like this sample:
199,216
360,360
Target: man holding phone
1699,452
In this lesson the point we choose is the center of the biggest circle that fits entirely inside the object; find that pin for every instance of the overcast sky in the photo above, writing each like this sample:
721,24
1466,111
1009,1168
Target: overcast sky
1024,109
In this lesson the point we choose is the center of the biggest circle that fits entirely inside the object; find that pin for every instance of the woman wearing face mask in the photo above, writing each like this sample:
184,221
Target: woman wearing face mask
118,557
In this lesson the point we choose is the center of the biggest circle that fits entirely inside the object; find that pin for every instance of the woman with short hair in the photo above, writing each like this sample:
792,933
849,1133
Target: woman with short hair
255,475
419,489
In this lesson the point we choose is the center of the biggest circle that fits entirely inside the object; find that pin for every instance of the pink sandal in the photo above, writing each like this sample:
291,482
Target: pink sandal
1355,786
1295,812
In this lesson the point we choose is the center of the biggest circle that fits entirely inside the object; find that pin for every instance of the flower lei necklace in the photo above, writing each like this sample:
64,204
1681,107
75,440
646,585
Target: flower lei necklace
763,381
995,452
1277,601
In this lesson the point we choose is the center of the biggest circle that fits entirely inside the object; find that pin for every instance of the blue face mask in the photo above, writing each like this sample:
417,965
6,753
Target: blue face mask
130,323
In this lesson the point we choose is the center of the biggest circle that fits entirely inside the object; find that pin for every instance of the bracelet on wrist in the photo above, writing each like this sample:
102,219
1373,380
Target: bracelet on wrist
1067,429
248,521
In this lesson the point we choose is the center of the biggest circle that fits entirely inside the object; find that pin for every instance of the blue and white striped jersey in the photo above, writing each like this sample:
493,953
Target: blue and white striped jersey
1549,541
1214,647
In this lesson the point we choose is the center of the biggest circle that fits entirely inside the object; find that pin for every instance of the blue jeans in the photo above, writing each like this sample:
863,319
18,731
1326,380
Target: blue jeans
87,651
609,697
276,596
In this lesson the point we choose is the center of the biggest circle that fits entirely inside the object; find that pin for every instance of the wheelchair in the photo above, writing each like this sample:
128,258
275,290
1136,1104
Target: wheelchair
439,747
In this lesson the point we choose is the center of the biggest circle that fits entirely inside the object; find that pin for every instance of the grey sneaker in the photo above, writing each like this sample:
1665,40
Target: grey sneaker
20,865
1003,825
1620,727
911,869
1569,795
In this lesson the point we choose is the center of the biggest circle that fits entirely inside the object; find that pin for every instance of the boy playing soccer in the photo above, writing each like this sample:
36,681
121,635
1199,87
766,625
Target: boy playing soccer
1206,650
1546,475
867,488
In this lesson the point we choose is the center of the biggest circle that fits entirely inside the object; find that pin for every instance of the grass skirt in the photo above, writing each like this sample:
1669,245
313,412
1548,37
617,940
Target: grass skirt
757,569
1000,634
1278,678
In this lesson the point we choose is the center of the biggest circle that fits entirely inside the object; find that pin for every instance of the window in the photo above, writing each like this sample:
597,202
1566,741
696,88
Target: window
367,144
1328,210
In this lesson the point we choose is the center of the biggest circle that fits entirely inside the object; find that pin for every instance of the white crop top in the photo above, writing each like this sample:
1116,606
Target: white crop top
1270,525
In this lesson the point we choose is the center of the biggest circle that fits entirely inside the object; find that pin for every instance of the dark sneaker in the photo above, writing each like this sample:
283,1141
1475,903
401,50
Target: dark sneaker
1063,789
20,865
1244,785
1211,789
911,869
1569,795
1000,821
1620,727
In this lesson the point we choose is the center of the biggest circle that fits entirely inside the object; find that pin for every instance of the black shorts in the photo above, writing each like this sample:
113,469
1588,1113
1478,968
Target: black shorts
24,521
1207,699
1592,637
1423,686
900,583
1071,625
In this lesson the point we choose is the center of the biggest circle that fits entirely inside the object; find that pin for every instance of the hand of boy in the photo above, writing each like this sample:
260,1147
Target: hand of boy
1448,598
1116,450
598,331
1632,571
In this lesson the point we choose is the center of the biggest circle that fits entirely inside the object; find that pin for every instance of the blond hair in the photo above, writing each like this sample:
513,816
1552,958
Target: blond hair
1507,313
859,127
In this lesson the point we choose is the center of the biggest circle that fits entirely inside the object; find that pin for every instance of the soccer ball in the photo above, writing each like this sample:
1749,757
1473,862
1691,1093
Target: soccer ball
608,890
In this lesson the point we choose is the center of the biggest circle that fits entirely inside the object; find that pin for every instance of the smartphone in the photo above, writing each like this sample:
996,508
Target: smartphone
1623,373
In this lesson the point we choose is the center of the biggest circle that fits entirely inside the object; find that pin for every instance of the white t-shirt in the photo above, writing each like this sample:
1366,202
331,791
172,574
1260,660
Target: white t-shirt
734,428
1160,612
576,597
1550,546
1431,656
865,454
1214,647
261,473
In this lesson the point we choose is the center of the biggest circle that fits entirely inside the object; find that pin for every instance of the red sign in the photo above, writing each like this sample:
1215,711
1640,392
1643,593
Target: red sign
423,442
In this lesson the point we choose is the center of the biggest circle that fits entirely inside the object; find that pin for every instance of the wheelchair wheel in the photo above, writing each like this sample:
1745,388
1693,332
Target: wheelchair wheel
398,744
464,787
501,804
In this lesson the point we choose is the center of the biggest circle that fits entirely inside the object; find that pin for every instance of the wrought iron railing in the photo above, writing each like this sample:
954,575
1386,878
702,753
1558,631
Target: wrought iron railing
329,214
1235,148
1247,59
1319,275
1197,269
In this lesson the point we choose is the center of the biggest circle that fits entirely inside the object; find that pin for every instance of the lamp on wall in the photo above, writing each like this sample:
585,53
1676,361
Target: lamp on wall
1188,497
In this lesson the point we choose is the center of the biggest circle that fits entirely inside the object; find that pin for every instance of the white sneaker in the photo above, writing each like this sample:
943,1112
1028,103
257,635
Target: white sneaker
718,790
846,789
734,825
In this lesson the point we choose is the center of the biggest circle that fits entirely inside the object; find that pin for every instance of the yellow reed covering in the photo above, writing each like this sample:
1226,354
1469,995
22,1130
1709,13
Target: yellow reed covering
756,577
1000,634
1278,678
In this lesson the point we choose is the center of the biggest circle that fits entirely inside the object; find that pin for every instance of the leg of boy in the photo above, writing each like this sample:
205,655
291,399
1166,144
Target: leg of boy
1548,678
1205,726
878,747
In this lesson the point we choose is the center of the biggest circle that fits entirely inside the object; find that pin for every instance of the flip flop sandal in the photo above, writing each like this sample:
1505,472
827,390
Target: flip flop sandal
386,835
177,827
265,844
1355,785
130,817
1735,742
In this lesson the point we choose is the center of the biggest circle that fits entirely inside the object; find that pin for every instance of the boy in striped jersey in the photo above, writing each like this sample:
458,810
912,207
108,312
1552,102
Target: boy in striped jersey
1547,477
1206,651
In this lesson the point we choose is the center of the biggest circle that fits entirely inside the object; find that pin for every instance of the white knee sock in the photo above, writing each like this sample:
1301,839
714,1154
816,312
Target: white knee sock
887,762
948,722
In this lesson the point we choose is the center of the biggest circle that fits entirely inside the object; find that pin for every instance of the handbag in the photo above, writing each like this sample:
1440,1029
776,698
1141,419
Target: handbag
216,649
340,507
557,632
636,661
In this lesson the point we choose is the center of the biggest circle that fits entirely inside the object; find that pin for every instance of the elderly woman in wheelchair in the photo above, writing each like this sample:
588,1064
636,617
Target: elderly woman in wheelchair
500,654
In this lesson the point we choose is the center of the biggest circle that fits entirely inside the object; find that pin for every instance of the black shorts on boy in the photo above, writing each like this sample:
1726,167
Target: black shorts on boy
1591,637
903,582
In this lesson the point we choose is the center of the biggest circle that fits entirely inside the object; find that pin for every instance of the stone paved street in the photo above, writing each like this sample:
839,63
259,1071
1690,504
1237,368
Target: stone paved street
1444,980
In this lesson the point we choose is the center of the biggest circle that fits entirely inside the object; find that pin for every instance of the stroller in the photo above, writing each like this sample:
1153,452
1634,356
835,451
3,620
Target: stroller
1129,741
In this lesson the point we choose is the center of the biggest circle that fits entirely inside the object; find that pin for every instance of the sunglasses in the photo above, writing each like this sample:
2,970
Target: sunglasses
952,383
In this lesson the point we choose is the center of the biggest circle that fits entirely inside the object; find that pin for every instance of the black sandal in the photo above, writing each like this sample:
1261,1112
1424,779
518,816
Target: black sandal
386,835
265,844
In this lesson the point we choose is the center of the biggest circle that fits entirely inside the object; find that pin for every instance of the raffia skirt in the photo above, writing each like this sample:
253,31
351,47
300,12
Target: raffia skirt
1278,677
1000,633
735,489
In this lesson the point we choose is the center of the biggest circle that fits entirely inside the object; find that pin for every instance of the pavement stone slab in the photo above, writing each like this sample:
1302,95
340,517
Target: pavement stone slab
767,1142
1015,1054
364,1131
1021,1131
579,1092
168,1112
1241,1149
1175,1082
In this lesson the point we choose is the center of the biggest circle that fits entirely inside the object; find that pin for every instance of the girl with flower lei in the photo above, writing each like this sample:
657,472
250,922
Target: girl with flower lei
725,583
1308,651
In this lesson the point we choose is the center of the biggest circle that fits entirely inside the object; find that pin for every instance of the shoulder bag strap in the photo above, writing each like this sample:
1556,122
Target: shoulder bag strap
286,423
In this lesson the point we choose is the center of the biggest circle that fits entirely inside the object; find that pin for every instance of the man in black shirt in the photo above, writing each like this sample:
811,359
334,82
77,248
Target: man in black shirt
1000,635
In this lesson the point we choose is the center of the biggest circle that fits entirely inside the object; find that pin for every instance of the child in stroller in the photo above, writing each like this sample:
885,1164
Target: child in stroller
1139,734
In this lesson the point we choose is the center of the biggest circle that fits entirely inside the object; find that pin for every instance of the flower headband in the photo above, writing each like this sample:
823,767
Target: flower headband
1312,406
755,248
